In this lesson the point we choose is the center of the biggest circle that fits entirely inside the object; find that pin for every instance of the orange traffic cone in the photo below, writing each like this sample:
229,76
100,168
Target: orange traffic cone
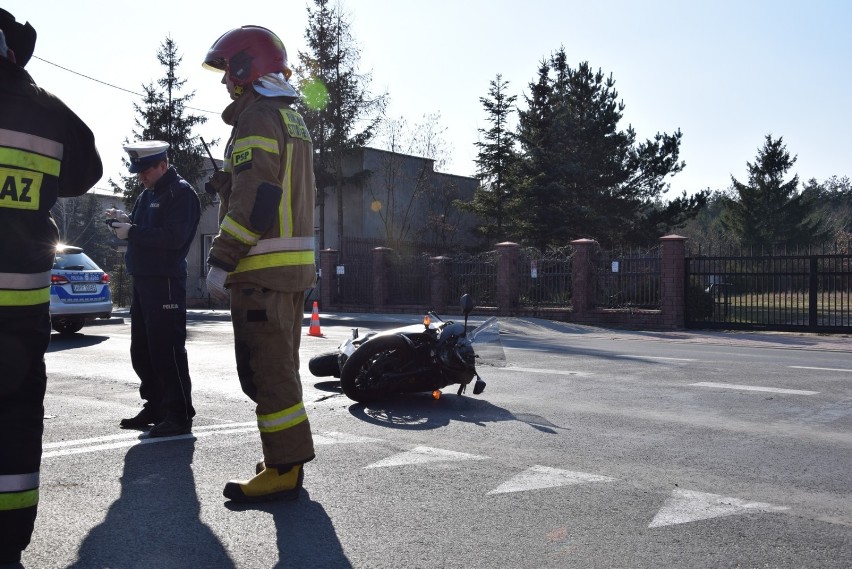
314,330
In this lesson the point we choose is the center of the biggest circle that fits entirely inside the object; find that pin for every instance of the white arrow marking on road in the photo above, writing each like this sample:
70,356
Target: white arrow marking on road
754,388
685,506
537,477
421,455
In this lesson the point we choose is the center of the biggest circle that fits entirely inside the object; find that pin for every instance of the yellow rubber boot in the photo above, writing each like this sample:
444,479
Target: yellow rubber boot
269,484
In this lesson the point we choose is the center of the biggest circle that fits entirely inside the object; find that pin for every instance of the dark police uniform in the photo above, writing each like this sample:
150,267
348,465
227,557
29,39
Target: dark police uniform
164,219
46,152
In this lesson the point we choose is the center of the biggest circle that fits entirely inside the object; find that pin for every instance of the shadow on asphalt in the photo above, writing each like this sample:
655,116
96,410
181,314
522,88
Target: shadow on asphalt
59,342
331,386
305,534
421,411
155,521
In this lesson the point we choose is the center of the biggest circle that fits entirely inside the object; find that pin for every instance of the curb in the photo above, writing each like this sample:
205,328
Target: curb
781,340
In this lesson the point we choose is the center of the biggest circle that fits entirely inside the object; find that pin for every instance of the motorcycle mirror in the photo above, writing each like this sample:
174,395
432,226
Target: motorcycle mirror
466,304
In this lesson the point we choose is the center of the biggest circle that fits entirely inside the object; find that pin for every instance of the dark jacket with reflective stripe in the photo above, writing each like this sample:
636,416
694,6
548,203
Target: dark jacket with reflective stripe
164,222
46,152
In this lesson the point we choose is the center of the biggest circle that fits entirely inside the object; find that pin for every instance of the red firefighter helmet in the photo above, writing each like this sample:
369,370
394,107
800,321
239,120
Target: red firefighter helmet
247,53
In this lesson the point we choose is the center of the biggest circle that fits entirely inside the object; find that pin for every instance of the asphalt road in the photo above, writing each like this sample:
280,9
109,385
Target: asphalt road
589,448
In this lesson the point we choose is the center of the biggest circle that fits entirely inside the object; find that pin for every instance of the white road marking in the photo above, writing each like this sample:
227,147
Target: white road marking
548,371
685,506
656,358
422,454
335,438
134,435
126,440
538,477
196,434
822,368
754,388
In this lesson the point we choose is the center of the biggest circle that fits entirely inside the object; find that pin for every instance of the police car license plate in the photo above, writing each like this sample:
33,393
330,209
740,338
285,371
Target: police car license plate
85,287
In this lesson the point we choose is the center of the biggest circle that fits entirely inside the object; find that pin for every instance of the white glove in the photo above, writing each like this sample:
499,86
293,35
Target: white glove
216,283
121,230
118,214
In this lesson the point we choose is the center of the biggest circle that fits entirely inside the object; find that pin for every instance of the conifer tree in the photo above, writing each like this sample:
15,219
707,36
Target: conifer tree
769,211
580,174
336,104
535,197
495,162
163,115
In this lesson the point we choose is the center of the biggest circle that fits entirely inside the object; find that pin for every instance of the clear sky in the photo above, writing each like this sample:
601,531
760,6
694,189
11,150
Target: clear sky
725,72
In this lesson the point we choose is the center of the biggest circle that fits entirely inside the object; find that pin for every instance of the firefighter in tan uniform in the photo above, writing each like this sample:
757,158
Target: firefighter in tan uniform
264,252
46,152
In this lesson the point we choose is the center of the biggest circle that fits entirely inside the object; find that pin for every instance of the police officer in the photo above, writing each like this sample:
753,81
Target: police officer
264,252
159,231
46,152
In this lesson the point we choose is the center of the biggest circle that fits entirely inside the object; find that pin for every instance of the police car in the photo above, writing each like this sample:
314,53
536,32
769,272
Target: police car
79,290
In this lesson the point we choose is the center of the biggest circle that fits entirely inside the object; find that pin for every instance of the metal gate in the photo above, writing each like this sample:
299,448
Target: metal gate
769,292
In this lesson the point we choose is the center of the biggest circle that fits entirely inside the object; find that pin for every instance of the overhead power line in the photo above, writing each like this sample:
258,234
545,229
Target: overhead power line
110,84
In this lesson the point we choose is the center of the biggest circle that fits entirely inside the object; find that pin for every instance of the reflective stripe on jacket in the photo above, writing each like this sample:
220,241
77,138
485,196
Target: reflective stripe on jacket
46,152
18,491
267,217
24,289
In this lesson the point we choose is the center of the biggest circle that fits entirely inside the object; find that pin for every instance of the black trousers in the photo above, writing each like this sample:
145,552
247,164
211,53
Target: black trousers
23,380
158,346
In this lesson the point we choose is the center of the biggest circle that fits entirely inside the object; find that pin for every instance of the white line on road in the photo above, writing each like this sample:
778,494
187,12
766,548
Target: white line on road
656,358
126,440
754,388
822,368
548,371
134,435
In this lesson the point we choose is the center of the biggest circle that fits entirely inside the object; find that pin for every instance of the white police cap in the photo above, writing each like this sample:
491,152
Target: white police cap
145,154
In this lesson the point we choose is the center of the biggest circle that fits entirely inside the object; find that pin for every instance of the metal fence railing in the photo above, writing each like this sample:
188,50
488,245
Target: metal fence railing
409,279
475,275
732,289
627,278
801,291
545,277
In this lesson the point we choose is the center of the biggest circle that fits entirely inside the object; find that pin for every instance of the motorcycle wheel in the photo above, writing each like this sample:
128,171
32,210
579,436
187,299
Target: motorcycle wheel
361,375
324,365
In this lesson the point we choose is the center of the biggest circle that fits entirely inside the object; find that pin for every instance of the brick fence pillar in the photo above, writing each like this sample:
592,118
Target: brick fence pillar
328,276
381,256
508,285
582,276
672,277
439,282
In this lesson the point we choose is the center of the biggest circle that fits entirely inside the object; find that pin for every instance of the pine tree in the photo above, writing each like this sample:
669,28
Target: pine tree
580,175
769,212
535,195
163,116
338,109
495,162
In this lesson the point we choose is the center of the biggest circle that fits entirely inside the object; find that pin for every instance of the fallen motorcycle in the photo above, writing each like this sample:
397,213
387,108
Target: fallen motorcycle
418,358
